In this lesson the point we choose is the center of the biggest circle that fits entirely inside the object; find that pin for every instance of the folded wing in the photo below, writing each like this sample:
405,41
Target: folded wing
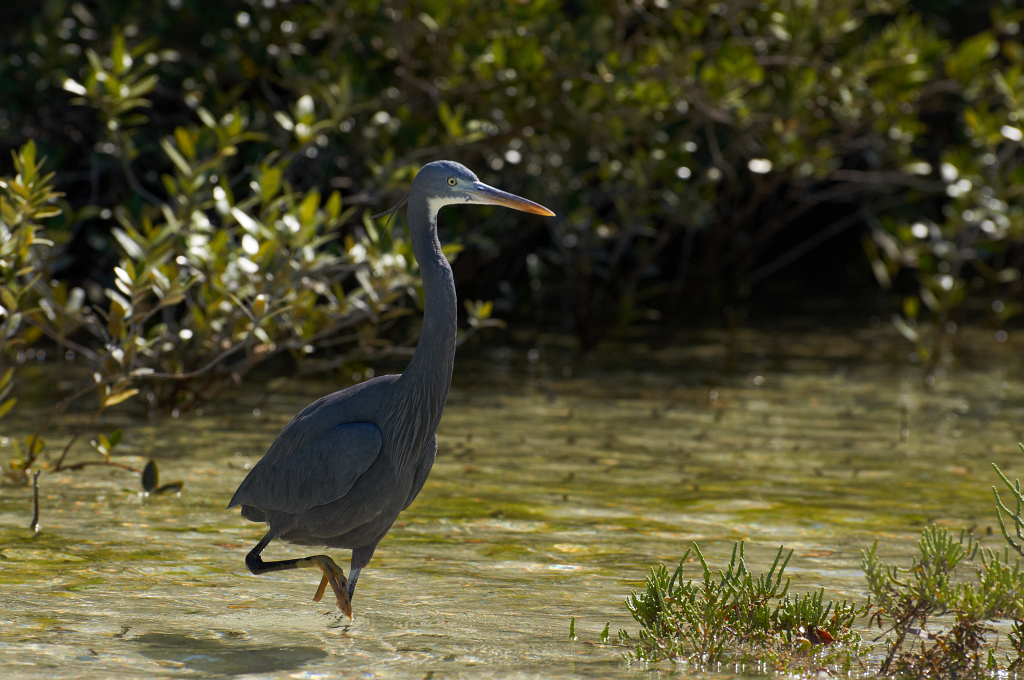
310,469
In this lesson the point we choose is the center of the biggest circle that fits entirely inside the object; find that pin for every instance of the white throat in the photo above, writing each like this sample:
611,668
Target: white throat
434,204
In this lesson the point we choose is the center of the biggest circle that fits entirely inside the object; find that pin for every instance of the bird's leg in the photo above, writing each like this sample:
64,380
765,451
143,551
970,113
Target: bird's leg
333,575
331,571
353,576
360,558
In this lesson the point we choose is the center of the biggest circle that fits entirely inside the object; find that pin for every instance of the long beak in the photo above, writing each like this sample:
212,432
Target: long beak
484,193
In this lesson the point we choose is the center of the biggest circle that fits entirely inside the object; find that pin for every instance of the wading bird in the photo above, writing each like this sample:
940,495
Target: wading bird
343,469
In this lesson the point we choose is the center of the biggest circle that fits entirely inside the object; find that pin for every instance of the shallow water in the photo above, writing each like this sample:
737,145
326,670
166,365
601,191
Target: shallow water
559,480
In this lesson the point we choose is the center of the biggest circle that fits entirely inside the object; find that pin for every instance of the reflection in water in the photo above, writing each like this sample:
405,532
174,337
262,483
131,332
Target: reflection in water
223,657
559,480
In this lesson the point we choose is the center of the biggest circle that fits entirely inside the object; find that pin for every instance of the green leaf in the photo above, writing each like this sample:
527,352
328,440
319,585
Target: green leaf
307,209
27,158
10,303
6,406
305,110
118,53
176,158
911,306
95,61
450,250
451,121
971,56
207,118
284,121
171,486
270,181
115,321
46,213
124,275
184,140
143,87
150,477
371,230
250,225
117,398
131,248
905,329
333,205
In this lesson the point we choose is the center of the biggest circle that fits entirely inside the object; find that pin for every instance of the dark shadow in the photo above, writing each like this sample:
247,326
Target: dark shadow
223,657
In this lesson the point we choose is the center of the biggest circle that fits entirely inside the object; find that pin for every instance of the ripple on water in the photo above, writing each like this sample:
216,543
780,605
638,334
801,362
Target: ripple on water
550,498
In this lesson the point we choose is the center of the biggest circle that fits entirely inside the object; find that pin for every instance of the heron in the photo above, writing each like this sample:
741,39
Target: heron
342,470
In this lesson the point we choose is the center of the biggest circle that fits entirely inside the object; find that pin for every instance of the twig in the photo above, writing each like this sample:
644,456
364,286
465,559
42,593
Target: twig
199,371
74,438
820,237
34,526
58,410
716,152
133,181
887,179
63,341
107,463
63,405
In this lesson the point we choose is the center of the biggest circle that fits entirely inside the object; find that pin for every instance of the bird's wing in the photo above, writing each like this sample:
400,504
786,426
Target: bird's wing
426,462
298,473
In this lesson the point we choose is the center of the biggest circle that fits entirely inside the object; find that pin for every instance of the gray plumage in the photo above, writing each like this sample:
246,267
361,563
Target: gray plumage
343,469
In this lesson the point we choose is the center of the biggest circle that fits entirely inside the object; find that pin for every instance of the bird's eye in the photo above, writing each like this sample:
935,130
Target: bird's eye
452,181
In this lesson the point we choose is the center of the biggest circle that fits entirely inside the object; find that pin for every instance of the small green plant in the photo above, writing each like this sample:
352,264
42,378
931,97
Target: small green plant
1016,636
967,588
940,614
733,616
1014,515
27,200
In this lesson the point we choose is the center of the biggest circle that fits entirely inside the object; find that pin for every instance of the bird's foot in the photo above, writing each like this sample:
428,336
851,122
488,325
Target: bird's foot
336,577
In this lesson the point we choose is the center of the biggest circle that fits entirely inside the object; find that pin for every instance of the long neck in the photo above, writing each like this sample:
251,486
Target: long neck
429,374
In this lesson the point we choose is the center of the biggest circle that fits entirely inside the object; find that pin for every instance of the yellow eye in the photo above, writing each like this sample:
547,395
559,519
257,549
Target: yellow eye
452,181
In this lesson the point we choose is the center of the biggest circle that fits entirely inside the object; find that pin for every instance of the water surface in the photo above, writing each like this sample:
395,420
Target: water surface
560,479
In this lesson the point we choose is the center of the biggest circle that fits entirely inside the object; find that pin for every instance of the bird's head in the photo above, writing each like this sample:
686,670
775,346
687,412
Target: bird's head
444,183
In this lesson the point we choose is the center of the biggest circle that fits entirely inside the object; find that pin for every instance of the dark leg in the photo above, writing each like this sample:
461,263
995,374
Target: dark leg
331,571
353,576
256,565
360,558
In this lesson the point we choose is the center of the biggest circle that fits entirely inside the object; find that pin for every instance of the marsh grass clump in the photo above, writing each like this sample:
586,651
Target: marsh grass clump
735,617
957,611
1016,636
1013,515
941,611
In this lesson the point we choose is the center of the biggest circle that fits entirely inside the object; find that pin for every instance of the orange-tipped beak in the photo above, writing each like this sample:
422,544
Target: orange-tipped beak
484,193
